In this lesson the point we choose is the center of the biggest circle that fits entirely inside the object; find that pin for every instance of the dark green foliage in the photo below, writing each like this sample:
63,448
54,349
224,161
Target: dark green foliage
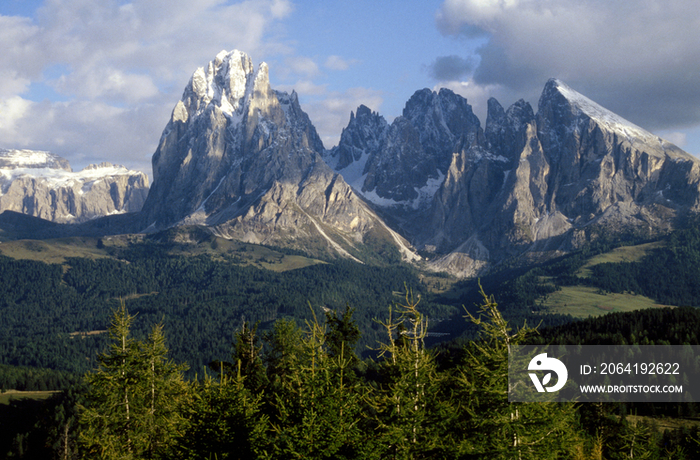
134,402
225,421
35,379
342,334
315,409
316,402
285,391
199,299
411,410
506,430
678,263
660,326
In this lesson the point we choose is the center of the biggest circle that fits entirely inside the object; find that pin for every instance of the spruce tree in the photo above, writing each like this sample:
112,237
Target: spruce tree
226,421
486,424
410,408
133,403
317,408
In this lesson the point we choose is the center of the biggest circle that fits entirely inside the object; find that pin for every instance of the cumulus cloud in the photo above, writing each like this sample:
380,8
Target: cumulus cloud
639,59
123,67
301,65
305,88
12,109
451,68
675,137
338,63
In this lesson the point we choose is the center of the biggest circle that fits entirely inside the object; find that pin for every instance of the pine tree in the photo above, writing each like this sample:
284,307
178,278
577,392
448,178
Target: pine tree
284,351
134,397
317,408
167,394
486,425
246,359
342,334
226,421
247,350
110,428
411,410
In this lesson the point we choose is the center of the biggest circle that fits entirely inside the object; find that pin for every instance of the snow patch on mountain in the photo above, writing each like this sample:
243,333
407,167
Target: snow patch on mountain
354,173
42,184
428,191
14,158
603,116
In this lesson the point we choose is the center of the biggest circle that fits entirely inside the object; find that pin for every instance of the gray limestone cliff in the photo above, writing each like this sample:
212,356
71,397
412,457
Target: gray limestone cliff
529,185
245,161
42,184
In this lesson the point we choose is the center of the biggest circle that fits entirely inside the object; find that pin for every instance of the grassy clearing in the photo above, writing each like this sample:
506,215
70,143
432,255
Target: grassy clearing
621,254
259,256
53,251
56,251
12,395
585,301
444,285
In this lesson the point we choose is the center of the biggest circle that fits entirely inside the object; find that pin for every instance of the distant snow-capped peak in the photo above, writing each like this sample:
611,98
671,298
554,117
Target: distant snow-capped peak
15,159
53,169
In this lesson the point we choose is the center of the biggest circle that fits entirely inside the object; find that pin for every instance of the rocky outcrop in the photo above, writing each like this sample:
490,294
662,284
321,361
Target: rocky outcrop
527,185
402,165
42,184
245,160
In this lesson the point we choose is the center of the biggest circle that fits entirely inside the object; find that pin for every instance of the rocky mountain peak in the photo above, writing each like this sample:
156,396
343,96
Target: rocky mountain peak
529,184
359,140
227,114
441,117
403,164
245,160
565,107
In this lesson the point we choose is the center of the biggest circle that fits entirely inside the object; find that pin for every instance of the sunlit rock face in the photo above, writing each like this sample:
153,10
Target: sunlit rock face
528,185
42,184
245,160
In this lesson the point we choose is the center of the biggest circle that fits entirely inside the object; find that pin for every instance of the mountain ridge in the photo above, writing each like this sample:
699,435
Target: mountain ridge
42,184
245,161
528,185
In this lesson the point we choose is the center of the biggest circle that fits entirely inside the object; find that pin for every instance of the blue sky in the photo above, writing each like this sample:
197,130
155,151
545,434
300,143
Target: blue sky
96,81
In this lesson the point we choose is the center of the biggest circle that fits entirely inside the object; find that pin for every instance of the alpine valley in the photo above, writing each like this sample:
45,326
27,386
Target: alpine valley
299,287
245,161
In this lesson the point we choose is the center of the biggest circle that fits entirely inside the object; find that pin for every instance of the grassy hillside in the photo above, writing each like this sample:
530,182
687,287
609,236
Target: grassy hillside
585,301
180,242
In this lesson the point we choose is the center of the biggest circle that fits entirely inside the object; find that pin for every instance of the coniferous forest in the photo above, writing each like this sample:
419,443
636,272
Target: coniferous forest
159,355
302,392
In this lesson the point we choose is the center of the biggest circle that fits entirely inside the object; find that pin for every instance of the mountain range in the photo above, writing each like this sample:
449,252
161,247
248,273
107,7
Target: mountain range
42,184
245,161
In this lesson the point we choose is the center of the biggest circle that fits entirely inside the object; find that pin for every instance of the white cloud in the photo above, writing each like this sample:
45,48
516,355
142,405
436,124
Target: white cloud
332,113
301,66
108,83
124,67
12,83
338,63
11,110
640,59
305,88
675,137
